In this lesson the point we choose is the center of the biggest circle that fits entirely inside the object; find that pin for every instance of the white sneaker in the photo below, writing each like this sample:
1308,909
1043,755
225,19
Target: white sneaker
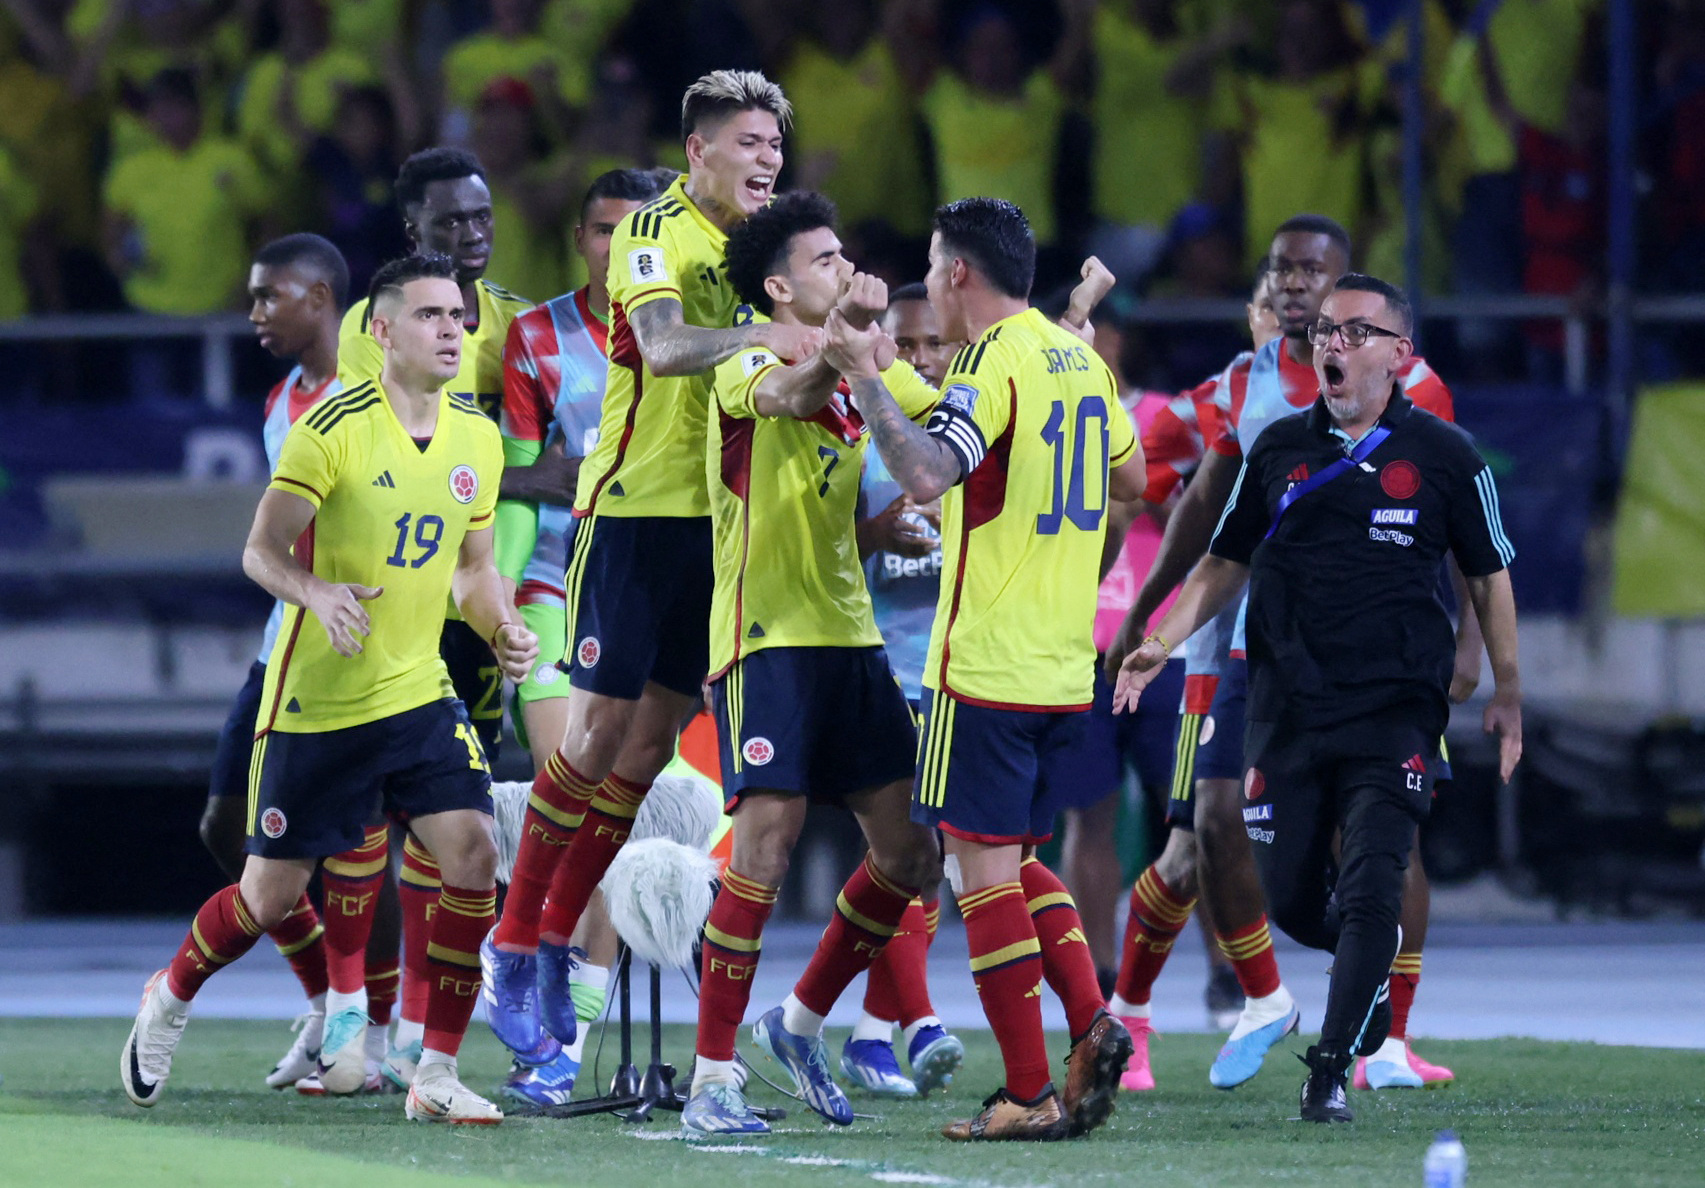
304,1055
312,1086
399,1065
146,1060
343,1052
437,1096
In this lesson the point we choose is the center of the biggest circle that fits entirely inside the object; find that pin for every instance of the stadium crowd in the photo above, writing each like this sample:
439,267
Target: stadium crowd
146,146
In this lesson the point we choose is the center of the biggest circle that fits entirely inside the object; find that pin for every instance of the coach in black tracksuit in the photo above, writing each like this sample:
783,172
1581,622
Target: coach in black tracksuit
1339,521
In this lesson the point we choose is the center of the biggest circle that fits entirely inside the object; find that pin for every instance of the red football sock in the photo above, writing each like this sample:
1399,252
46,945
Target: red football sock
300,940
418,887
898,988
555,809
595,845
463,918
384,980
1158,915
901,961
732,940
1250,951
1006,963
1066,960
223,931
351,884
867,912
1405,980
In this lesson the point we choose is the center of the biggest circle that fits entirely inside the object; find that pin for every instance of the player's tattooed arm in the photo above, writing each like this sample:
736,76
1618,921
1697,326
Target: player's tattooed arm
672,347
920,462
279,520
923,465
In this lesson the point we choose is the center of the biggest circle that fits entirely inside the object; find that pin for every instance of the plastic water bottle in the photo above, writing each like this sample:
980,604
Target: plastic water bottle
1447,1162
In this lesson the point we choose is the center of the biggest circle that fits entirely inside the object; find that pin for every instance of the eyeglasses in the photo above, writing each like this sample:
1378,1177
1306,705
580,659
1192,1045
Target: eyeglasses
1355,334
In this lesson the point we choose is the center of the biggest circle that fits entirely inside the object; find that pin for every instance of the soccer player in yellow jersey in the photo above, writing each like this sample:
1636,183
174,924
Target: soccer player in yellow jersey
446,209
1025,449
379,510
639,576
804,699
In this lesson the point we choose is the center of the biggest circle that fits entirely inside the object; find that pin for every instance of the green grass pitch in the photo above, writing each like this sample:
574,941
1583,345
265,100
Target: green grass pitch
1529,1112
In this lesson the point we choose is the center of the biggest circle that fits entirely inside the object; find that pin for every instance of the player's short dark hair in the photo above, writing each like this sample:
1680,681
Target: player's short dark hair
1318,224
1396,300
758,247
314,252
723,93
1263,266
916,291
624,185
995,237
392,276
433,165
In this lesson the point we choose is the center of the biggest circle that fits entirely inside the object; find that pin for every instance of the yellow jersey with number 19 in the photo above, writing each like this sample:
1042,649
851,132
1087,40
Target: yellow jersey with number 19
1034,416
387,513
480,377
784,507
649,459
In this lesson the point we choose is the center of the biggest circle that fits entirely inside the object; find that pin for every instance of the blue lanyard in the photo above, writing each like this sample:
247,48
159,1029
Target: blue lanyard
1366,446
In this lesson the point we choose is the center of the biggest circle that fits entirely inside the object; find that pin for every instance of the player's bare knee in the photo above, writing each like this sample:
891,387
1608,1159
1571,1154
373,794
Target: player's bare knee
269,902
470,860
593,741
1219,823
643,758
765,860
916,864
1177,863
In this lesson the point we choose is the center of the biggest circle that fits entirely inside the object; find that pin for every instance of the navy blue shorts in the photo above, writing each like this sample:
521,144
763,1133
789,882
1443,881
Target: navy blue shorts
639,604
313,795
1093,770
981,771
818,722
237,739
477,679
1219,750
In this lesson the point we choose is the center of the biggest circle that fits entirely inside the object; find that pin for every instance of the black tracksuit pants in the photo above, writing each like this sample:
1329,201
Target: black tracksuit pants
1371,781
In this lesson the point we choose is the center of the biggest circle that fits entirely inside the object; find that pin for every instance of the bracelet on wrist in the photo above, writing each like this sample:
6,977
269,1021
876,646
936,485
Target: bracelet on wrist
1151,637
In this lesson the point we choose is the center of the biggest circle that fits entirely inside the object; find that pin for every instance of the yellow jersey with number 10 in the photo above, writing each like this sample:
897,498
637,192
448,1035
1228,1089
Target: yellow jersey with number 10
649,459
1037,413
390,514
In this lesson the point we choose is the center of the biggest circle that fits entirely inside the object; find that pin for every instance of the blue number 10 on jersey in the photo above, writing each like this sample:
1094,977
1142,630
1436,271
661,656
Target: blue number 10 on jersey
1071,500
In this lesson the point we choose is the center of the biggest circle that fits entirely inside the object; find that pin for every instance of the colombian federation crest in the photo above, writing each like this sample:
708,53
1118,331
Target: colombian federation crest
464,484
273,824
758,751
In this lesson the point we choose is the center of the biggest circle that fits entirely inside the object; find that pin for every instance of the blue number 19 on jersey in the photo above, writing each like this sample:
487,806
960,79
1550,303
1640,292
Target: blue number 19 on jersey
428,531
1070,500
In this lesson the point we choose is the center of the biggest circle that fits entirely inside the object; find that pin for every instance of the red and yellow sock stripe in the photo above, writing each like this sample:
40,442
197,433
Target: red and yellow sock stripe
1246,942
